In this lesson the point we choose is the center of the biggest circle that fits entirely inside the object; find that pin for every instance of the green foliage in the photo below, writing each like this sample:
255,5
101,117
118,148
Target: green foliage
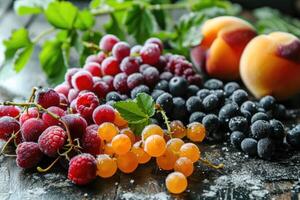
22,7
137,112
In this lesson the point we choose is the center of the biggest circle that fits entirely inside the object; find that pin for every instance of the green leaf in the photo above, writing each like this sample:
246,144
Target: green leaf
18,49
138,127
146,103
52,61
85,20
130,111
113,27
140,22
26,7
61,14
22,56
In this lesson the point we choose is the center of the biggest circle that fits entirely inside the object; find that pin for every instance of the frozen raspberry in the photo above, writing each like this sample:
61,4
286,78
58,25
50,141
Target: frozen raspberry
86,104
110,66
11,111
49,120
121,50
30,113
107,42
82,80
76,125
103,113
63,88
48,98
32,129
28,155
69,74
73,93
100,88
109,80
8,126
93,68
150,53
120,83
82,169
91,142
51,140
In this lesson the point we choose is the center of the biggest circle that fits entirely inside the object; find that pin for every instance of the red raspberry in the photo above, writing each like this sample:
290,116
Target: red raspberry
48,98
82,80
91,142
103,113
73,94
8,126
31,113
76,124
100,88
28,155
51,140
93,68
69,74
49,120
86,104
107,42
63,88
11,111
82,169
32,129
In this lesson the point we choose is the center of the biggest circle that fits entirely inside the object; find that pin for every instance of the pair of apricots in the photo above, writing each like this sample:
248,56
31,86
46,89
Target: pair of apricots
267,64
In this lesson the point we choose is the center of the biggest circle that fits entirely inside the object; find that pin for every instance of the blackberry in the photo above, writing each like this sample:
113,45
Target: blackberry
193,104
249,146
267,102
178,86
249,106
236,139
238,123
230,87
139,89
265,148
279,111
260,129
213,84
156,93
166,102
239,96
228,111
197,117
113,96
277,129
192,90
179,109
259,116
162,85
211,123
210,102
203,93
293,137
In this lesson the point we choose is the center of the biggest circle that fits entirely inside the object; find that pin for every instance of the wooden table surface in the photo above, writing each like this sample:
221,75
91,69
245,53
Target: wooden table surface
242,177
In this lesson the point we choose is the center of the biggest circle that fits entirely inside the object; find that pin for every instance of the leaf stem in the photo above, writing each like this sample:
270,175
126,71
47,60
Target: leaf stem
91,45
165,118
176,6
42,34
49,167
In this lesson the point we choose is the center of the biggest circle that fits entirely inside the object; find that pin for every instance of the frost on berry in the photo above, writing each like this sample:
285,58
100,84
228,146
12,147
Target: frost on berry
76,125
32,129
11,111
50,120
52,140
8,126
91,142
82,169
28,155
86,104
47,98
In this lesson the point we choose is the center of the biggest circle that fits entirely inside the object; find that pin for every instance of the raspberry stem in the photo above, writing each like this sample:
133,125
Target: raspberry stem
160,110
208,163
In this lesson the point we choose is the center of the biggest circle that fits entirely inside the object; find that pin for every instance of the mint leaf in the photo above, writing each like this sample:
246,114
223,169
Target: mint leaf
113,27
146,104
18,49
52,61
61,14
140,22
30,7
130,111
85,20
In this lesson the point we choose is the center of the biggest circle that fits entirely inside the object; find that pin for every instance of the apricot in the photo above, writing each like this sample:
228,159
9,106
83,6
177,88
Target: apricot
224,39
270,65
